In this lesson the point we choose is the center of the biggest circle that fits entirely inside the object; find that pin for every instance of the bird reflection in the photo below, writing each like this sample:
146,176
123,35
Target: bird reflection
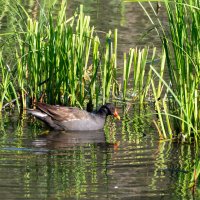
64,139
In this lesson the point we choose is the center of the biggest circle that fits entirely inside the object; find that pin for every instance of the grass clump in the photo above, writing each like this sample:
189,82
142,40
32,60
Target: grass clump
183,61
137,73
8,94
181,45
59,60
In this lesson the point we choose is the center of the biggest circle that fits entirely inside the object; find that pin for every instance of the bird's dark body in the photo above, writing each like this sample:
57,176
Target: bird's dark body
71,118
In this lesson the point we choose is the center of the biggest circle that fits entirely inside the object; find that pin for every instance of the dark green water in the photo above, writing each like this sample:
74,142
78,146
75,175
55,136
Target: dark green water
127,161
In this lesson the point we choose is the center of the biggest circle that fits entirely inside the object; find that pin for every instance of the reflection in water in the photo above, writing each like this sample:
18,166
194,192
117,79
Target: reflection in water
77,165
63,139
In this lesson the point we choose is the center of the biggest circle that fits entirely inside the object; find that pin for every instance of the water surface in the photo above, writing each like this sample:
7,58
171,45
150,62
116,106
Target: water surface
126,161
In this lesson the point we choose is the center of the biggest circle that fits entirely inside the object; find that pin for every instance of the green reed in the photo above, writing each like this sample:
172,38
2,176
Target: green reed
195,174
8,93
181,44
185,72
166,106
136,69
59,59
108,71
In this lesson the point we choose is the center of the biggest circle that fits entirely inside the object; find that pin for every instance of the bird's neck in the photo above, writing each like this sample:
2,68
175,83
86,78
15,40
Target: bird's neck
102,112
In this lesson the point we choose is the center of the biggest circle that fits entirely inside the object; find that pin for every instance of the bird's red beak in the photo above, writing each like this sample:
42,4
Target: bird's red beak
116,115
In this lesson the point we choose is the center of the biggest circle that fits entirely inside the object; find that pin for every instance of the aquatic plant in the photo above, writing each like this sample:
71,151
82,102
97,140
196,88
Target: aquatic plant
184,73
181,44
195,174
137,74
59,60
177,99
8,94
108,71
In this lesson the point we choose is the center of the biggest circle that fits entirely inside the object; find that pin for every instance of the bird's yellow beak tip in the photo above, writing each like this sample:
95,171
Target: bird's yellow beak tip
116,115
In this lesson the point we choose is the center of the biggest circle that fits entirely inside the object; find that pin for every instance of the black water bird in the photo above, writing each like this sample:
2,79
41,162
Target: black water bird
72,118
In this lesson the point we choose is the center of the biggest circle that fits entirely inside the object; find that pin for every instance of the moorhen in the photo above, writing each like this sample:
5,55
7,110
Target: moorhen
71,118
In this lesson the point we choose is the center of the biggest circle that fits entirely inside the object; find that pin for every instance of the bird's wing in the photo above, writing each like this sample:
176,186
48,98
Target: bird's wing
61,113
